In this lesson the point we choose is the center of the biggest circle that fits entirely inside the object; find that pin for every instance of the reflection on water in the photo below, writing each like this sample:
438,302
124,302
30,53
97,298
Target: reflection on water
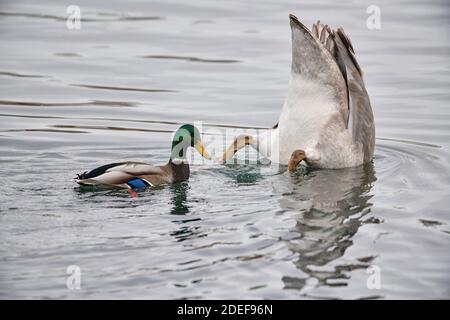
328,206
179,201
331,206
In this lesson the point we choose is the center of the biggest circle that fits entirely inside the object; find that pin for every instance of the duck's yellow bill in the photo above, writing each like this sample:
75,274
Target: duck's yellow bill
201,149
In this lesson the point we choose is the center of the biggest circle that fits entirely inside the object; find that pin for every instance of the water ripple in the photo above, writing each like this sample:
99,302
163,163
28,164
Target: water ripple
101,87
44,130
103,103
191,59
19,75
63,126
113,17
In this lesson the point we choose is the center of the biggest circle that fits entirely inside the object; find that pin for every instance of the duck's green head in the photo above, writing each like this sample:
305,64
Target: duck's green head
187,136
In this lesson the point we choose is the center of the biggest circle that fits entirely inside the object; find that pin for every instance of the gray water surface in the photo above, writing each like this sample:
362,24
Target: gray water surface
117,88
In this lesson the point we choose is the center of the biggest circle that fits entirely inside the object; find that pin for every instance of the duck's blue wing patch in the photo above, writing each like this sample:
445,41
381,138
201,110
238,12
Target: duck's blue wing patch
138,183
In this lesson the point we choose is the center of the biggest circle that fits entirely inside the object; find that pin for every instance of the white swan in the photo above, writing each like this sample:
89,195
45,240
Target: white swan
326,120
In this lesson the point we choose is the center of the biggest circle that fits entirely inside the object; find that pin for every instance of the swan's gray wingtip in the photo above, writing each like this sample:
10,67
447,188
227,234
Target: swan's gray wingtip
295,22
293,17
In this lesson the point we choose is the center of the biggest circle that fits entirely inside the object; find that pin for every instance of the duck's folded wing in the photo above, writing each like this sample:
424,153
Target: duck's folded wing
117,173
313,61
360,120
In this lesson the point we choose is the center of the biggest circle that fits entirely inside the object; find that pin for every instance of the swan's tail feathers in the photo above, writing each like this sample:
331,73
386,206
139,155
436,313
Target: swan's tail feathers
348,44
325,35
360,120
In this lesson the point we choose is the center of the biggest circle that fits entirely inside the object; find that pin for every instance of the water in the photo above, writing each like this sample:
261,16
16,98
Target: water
116,89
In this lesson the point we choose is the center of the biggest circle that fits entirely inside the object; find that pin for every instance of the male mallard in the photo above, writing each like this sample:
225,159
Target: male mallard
326,120
136,175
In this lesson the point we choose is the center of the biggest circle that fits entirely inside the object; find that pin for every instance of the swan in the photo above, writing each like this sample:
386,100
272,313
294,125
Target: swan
326,120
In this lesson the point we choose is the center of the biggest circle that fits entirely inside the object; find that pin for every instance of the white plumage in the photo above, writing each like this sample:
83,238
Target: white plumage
327,113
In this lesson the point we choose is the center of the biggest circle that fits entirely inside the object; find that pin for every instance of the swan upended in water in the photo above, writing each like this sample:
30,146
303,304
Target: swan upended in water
326,119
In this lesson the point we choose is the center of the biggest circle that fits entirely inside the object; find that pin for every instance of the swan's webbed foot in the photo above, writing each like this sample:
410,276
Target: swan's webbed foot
296,157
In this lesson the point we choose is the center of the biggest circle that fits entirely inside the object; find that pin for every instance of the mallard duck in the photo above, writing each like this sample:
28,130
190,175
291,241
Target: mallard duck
137,175
326,120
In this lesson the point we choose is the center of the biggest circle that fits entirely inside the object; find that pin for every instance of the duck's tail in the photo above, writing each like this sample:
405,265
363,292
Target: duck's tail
81,176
